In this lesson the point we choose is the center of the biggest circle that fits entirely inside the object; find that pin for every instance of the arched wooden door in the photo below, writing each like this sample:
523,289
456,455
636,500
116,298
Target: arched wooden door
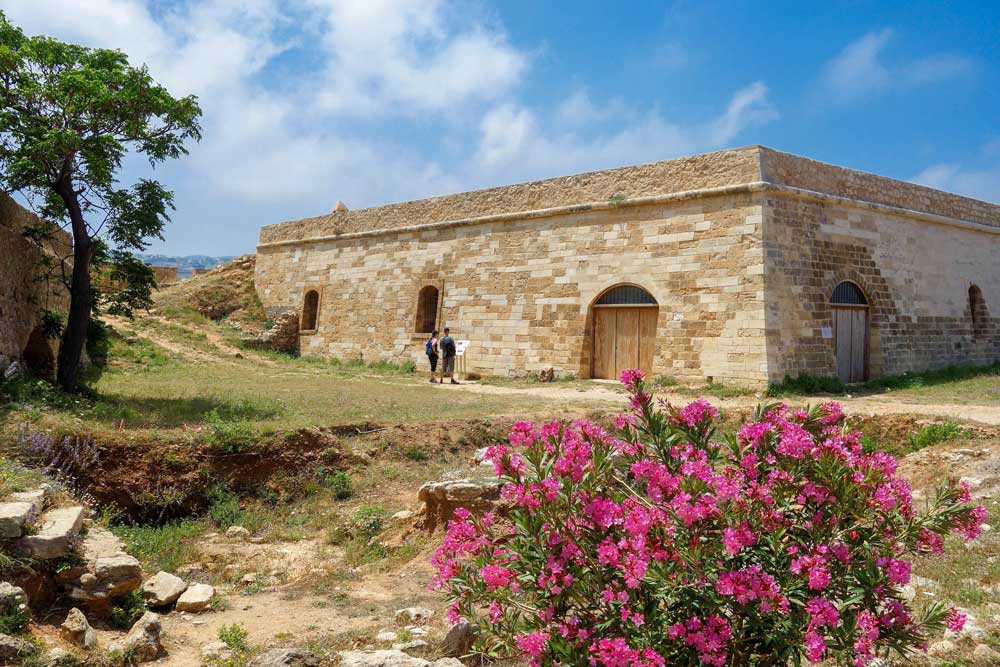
850,332
624,331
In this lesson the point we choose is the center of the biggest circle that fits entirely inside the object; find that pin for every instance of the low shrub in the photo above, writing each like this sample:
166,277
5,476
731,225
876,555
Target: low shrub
806,384
935,434
230,436
164,547
127,609
224,508
415,454
14,620
235,637
339,484
669,544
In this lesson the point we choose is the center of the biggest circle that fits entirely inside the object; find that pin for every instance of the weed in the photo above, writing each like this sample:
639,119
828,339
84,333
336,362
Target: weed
416,454
368,520
234,636
230,436
934,434
403,635
14,621
127,609
164,547
339,484
806,384
224,508
665,381
218,603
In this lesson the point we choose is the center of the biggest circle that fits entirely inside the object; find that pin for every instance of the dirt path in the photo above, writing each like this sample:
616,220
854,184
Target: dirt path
606,393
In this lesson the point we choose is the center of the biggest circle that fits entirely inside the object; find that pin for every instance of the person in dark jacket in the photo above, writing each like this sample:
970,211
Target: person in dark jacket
448,353
431,349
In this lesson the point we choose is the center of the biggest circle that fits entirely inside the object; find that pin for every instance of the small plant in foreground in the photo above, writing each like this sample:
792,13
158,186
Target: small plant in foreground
668,544
14,619
235,637
230,436
127,609
339,484
416,454
224,508
935,434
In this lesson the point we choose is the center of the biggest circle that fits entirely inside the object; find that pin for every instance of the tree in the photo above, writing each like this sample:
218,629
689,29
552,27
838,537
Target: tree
69,115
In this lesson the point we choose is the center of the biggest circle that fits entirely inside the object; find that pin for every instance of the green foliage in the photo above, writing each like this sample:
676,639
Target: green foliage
224,508
934,434
415,454
14,621
165,547
368,520
806,384
69,115
235,637
339,484
230,436
52,323
127,609
665,381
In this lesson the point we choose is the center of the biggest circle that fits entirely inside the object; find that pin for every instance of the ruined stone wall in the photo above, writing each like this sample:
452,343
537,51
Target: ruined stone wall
521,290
915,274
25,292
710,170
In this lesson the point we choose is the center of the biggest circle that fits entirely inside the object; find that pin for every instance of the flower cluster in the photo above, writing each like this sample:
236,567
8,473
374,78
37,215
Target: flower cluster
664,543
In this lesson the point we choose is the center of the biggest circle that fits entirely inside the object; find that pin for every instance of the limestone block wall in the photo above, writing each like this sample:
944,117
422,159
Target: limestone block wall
915,274
521,290
25,290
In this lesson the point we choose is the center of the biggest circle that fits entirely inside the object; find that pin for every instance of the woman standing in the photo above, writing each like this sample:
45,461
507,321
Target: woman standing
431,348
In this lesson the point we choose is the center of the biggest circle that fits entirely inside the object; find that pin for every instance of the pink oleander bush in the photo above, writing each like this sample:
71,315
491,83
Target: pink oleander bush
669,544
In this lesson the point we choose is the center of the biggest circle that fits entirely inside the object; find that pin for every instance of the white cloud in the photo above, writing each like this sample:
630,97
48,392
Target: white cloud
979,183
860,70
393,55
517,142
310,101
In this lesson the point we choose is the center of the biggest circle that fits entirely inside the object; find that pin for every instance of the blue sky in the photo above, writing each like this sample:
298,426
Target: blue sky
373,101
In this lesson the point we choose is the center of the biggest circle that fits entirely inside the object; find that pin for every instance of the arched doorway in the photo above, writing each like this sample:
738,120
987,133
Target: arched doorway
849,308
624,331
310,311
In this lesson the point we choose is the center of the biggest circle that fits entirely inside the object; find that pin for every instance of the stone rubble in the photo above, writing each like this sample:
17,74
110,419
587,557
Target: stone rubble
77,631
56,535
441,499
143,641
163,589
196,598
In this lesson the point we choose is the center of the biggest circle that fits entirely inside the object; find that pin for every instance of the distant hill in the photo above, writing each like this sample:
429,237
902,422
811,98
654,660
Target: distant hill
187,264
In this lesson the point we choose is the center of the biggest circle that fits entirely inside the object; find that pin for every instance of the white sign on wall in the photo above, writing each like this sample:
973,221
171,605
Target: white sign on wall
460,347
827,332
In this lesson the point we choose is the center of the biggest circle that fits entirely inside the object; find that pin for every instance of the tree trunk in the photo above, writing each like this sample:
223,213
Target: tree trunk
75,336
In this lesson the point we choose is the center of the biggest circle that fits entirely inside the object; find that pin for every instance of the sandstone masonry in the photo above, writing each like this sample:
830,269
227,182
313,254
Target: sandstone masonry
740,249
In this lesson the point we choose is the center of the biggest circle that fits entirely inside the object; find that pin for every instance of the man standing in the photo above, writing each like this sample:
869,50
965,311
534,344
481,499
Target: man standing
448,353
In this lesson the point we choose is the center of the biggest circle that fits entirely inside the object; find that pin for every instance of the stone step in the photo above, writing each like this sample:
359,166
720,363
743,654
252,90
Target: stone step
21,510
13,519
54,539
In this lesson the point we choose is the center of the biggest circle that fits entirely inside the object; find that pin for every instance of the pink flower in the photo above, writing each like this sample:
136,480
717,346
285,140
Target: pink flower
533,644
815,646
632,376
955,620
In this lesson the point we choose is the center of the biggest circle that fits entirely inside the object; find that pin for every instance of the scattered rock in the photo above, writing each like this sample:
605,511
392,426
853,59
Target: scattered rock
908,592
941,649
441,499
413,615
390,658
237,533
196,598
58,656
143,641
12,370
411,645
386,636
286,657
12,648
403,515
77,631
986,655
163,589
216,650
459,640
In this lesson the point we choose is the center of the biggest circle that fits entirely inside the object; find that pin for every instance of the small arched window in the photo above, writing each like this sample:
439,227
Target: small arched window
848,294
310,311
427,309
977,311
626,295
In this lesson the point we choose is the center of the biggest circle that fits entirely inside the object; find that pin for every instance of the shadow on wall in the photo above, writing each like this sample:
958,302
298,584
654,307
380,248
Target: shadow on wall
39,355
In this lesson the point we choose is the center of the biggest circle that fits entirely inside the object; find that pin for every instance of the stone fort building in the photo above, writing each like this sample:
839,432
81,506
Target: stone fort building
742,266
